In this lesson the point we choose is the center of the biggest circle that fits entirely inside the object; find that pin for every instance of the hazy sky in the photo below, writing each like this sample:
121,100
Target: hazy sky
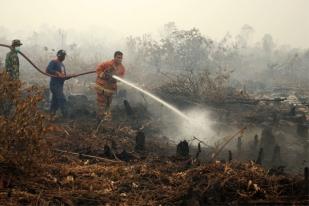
286,20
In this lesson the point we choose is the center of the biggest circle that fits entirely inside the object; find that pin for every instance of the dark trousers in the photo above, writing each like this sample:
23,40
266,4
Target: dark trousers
58,99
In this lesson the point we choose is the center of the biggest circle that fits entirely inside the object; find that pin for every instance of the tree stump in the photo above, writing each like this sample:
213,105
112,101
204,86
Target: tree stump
183,149
292,110
230,156
306,149
107,151
302,130
276,159
122,93
256,142
239,145
128,108
260,157
267,142
125,156
140,142
306,178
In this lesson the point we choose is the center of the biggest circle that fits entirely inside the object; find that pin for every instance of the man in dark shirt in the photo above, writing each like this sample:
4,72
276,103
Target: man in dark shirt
56,68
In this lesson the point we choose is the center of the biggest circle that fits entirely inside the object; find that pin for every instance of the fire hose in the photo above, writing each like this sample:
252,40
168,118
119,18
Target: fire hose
42,71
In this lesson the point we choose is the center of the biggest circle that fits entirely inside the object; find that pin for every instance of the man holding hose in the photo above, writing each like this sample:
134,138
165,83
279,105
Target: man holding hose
106,85
57,69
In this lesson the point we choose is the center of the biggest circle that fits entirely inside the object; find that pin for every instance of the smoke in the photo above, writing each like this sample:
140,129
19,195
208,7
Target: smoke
199,126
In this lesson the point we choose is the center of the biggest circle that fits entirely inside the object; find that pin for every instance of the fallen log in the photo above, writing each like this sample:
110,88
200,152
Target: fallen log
89,156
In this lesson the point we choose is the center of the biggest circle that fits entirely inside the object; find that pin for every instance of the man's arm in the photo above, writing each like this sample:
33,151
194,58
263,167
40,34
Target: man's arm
101,69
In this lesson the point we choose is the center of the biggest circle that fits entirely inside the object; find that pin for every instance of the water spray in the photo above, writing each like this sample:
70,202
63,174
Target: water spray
174,109
193,122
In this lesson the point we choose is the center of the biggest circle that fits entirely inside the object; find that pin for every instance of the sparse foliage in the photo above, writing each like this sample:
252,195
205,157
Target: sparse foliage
22,125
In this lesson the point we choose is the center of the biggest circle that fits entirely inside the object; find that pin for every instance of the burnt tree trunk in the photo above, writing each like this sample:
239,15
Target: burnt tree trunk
230,156
276,159
128,108
140,142
183,149
260,157
239,145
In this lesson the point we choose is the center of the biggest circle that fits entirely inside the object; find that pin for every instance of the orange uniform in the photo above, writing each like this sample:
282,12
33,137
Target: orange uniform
105,88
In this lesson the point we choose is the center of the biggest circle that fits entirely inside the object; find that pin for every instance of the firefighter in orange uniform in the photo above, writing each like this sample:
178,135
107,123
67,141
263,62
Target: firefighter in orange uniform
106,85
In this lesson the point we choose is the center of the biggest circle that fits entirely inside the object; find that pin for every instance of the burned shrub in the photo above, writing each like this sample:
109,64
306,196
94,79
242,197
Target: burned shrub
22,125
198,85
183,149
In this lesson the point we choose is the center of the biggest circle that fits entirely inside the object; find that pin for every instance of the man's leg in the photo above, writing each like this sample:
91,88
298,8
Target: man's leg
63,106
109,99
54,103
101,104
62,101
108,114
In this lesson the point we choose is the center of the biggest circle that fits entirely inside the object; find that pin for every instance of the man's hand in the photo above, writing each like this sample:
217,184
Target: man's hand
59,74
101,75
108,74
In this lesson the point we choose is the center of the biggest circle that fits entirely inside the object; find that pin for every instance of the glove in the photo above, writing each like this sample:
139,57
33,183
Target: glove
108,76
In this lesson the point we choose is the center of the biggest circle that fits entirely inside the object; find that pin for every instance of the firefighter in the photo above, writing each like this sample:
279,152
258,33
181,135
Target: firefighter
57,68
12,60
106,85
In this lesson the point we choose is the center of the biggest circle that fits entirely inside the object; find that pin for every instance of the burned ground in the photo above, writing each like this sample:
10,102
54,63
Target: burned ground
141,178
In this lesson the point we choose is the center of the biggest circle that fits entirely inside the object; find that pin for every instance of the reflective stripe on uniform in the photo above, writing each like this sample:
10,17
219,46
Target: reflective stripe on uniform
102,89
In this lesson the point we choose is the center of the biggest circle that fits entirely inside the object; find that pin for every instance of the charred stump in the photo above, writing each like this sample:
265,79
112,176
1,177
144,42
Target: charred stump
239,145
183,149
268,142
260,157
302,130
276,118
255,142
230,156
140,142
306,179
128,108
276,171
122,93
199,150
276,159
107,152
125,156
292,110
306,148
254,146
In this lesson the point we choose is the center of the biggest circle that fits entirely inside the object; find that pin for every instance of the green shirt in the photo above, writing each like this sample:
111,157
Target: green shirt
12,64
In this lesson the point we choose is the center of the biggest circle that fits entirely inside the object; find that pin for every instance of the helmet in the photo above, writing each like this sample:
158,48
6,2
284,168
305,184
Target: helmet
16,42
61,53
